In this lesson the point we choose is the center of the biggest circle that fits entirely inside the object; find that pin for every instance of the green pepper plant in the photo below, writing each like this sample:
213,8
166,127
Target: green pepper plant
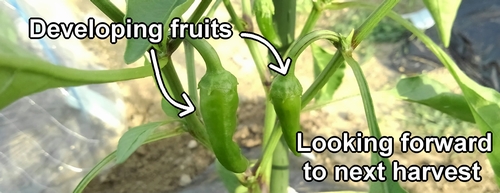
210,114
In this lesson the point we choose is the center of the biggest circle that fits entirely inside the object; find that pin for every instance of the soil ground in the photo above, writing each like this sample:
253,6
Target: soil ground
173,165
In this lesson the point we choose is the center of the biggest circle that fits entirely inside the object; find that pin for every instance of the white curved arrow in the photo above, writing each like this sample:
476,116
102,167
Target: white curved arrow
283,66
189,107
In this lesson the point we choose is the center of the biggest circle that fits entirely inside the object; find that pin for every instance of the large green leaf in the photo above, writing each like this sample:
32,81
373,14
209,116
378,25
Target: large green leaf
321,58
443,12
148,12
133,139
25,75
426,91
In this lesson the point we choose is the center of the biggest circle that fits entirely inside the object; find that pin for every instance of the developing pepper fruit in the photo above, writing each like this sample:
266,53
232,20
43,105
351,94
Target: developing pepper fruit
264,11
219,103
286,92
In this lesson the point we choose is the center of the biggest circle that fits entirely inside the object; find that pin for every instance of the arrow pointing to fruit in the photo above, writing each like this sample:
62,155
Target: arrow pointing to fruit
187,108
283,66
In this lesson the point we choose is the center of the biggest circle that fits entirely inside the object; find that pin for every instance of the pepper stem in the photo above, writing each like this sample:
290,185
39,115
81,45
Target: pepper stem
208,53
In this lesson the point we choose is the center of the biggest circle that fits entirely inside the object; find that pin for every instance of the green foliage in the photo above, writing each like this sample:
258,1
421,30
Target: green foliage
24,75
484,102
321,57
426,91
147,12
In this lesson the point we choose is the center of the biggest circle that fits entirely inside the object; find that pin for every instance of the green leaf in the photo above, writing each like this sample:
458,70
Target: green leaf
321,58
25,75
426,91
443,12
133,139
147,12
388,186
227,177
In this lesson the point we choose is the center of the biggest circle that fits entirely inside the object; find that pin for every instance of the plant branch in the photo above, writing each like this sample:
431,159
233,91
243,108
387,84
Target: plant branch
191,72
366,28
312,19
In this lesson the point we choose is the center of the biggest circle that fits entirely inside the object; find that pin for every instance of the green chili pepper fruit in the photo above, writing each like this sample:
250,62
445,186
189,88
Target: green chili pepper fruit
219,103
264,11
286,92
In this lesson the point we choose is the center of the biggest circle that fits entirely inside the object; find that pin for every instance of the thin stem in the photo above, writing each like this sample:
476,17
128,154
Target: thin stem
195,17
234,17
191,72
269,122
252,47
311,20
280,169
366,28
110,10
387,186
303,42
208,53
247,14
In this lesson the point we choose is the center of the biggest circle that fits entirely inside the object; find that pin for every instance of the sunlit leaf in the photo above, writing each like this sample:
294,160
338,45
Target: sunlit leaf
426,91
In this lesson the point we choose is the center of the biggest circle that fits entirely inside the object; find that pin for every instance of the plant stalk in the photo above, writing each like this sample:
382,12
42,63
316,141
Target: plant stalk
311,21
191,72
